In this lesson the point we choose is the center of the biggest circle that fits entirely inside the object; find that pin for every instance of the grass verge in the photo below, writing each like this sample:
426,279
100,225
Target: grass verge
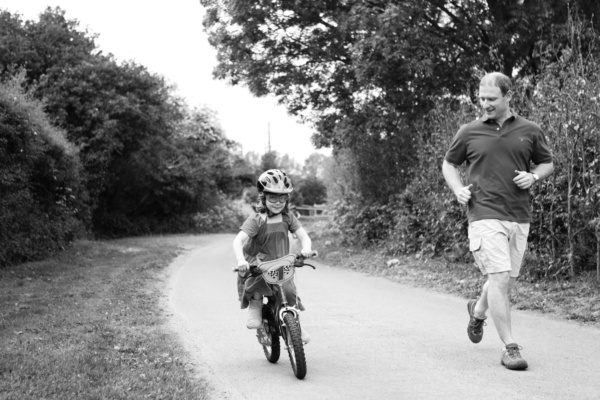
90,324
575,299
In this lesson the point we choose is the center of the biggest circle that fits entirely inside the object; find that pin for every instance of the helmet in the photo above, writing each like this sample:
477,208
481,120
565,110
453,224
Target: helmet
274,181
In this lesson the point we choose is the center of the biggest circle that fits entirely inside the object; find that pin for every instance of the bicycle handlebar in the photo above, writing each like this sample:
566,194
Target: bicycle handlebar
298,263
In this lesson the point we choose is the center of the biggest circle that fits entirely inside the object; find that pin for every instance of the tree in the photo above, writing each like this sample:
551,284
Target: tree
42,198
313,190
315,165
269,160
14,44
363,71
52,42
110,112
148,161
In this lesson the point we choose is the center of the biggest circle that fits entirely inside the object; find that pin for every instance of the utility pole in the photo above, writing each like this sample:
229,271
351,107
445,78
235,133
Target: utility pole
269,134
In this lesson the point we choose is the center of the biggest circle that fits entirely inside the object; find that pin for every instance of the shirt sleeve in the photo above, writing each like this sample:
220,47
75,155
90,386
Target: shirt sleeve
457,153
294,223
251,225
541,150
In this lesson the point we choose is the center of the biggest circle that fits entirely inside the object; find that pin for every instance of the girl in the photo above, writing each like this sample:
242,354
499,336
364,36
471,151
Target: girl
264,237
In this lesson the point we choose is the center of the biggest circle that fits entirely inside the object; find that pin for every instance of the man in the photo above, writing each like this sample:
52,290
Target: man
499,149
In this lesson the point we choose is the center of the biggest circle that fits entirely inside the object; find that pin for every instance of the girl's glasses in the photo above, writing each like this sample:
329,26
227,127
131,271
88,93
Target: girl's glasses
274,198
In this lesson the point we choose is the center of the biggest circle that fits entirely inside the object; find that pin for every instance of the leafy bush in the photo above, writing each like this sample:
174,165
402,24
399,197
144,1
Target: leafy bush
312,190
566,101
359,222
227,217
42,202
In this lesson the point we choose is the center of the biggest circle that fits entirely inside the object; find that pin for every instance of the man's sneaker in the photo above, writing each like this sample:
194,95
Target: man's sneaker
475,327
511,358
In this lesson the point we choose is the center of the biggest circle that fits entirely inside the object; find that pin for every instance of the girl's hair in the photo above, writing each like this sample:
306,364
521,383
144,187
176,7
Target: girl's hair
262,204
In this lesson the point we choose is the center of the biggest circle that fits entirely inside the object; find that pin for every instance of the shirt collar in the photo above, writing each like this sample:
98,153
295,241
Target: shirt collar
512,116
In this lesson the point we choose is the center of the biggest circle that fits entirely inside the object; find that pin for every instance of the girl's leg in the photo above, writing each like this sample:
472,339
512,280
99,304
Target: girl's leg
255,311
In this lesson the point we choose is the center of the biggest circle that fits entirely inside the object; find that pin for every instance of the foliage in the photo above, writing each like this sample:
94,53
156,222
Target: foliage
313,190
149,162
375,77
424,218
315,164
269,160
564,232
51,43
113,113
227,216
338,176
566,102
362,72
359,222
42,203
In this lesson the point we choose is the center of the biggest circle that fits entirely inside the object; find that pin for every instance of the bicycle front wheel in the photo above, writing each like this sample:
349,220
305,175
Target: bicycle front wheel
294,345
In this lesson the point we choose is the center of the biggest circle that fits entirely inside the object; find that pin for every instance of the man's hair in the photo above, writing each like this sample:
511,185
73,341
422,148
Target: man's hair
497,79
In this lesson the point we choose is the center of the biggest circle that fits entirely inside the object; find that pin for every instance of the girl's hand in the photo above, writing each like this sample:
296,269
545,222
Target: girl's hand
243,266
307,253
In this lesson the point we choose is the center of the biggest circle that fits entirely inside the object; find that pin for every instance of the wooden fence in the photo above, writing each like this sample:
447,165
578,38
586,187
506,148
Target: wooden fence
316,211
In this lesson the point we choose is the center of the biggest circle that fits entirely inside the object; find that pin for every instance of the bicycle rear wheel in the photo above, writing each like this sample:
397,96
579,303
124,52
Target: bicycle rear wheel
294,345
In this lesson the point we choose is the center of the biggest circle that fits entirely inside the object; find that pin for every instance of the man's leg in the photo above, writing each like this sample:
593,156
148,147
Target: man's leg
482,306
498,288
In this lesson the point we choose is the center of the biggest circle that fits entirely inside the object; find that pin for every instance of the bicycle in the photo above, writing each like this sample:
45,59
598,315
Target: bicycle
279,318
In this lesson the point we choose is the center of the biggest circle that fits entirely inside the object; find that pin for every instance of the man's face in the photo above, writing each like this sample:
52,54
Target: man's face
492,101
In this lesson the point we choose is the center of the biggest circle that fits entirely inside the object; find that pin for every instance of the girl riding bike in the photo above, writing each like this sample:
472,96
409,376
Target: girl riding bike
264,237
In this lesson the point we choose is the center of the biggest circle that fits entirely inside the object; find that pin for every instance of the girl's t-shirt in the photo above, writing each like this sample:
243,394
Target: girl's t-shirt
268,240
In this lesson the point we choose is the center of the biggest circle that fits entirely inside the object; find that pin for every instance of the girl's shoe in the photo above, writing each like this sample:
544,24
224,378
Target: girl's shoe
254,314
305,336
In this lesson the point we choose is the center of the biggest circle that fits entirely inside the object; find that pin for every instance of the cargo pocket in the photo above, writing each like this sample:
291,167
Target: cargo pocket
474,244
475,248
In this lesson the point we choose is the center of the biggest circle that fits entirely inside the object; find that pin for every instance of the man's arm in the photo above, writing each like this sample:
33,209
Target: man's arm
452,177
543,170
525,180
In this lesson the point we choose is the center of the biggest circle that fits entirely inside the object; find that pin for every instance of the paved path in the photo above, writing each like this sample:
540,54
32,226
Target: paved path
371,339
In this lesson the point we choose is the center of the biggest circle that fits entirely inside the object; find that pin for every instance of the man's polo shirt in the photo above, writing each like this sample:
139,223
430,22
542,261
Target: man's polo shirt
492,154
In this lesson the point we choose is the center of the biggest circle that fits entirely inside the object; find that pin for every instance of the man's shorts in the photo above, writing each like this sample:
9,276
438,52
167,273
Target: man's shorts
498,246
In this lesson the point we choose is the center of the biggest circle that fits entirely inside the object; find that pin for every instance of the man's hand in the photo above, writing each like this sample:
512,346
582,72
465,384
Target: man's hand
524,179
464,194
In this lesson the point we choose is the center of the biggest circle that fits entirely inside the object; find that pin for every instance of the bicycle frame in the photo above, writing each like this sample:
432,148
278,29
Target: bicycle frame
276,273
279,318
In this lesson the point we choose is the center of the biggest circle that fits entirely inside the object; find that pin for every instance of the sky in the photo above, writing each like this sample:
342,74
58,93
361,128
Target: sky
169,41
